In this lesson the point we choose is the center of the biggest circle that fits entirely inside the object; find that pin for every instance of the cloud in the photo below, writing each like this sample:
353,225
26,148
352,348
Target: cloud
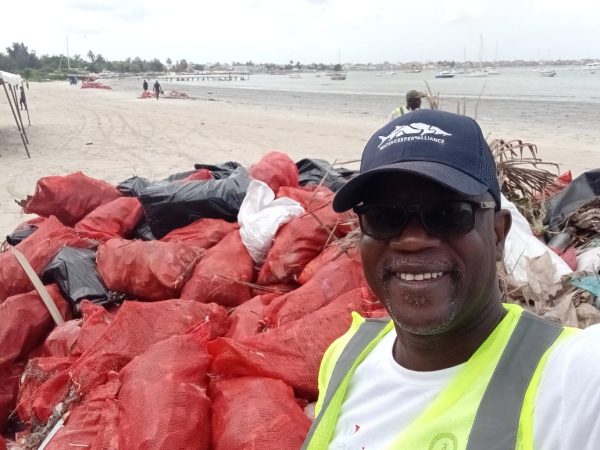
127,11
461,11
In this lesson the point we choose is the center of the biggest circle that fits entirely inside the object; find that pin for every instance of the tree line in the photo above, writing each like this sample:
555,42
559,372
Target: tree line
19,59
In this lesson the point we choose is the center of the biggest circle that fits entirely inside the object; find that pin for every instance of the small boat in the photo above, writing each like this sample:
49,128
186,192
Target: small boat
547,73
295,75
391,73
338,76
492,71
476,73
445,74
413,70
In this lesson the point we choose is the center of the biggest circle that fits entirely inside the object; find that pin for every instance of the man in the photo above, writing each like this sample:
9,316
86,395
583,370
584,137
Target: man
413,102
22,99
455,368
157,89
145,85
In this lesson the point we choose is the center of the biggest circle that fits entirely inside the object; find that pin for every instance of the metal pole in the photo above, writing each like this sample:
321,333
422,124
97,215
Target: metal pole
26,105
15,116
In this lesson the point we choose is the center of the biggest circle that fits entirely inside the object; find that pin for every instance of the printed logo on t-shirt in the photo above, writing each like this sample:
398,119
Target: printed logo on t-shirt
444,441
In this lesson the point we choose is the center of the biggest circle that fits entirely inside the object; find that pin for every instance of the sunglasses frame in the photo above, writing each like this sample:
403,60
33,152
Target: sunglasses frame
417,209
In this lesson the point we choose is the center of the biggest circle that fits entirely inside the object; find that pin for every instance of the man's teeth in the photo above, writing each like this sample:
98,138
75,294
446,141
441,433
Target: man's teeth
418,276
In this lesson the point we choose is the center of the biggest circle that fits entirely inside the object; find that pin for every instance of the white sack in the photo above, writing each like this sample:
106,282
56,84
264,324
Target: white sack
261,216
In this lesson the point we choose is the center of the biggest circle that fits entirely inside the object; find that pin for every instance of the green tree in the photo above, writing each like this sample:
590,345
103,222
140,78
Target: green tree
20,58
91,56
169,61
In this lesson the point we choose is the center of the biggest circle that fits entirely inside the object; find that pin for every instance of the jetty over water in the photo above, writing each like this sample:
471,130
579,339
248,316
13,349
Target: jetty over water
204,76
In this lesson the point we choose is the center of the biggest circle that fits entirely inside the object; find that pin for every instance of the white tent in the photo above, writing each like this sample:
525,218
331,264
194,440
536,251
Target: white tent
10,83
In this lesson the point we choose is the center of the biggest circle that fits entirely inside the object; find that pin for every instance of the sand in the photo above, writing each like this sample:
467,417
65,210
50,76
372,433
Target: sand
112,135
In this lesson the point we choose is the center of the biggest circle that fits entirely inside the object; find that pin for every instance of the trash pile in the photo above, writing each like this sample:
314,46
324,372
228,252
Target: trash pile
147,94
172,93
181,305
193,312
94,85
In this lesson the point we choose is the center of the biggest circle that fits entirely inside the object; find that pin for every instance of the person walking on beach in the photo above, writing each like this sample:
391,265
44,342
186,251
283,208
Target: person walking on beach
413,102
157,88
22,99
145,85
455,368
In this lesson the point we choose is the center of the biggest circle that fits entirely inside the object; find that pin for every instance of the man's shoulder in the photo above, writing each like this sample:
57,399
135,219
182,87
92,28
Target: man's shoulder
577,355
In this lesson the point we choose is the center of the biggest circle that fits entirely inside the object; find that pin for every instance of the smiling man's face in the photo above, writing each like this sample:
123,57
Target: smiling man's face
429,284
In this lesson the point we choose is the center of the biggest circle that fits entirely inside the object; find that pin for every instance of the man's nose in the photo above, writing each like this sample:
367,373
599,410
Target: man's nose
414,237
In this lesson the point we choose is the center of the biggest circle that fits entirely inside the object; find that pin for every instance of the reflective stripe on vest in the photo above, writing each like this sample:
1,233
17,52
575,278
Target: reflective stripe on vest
497,418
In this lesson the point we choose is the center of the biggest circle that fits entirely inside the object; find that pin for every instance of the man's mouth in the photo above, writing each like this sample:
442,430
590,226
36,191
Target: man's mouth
421,276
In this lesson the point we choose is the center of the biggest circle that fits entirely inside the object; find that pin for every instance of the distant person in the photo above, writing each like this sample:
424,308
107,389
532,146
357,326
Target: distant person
145,85
22,99
413,102
157,89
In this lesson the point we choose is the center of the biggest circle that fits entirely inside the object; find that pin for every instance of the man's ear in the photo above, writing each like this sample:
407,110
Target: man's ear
502,223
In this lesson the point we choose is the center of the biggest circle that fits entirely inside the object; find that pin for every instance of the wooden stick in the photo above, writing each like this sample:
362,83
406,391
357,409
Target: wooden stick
26,105
14,93
39,286
16,120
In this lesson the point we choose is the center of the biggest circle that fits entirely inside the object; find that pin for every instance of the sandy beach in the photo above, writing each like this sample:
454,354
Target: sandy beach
113,135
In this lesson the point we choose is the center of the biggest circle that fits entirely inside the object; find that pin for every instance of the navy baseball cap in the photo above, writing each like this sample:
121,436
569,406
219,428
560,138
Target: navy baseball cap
446,148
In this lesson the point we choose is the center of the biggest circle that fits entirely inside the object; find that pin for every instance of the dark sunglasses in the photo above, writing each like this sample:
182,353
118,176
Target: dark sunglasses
441,218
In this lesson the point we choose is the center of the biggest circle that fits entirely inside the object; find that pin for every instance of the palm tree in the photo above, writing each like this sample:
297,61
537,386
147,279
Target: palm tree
91,56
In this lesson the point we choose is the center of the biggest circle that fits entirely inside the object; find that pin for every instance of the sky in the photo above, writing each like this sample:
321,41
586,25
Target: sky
355,31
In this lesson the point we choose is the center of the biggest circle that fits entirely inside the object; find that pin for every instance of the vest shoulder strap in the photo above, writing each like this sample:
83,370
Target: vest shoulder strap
497,420
367,331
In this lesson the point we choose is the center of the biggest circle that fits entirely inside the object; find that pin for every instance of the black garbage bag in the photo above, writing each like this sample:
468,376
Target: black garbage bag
582,189
142,231
180,175
168,206
74,270
18,235
132,187
312,171
220,171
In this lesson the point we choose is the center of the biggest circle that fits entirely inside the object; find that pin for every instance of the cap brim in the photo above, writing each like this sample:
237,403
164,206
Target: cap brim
352,193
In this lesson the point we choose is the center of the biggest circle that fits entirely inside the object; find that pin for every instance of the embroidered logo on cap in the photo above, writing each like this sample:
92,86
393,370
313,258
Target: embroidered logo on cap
412,132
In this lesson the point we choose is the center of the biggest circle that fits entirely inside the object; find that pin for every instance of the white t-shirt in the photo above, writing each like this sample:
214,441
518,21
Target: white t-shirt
383,397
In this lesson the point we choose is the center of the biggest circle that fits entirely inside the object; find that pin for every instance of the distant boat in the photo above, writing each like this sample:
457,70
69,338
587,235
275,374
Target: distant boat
378,74
492,71
338,76
476,73
391,73
445,74
413,70
547,72
295,75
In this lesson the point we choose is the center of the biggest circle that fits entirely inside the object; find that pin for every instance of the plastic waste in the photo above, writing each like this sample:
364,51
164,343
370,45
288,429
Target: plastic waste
260,217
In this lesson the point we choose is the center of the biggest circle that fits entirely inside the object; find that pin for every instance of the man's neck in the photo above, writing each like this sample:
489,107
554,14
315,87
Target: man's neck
436,352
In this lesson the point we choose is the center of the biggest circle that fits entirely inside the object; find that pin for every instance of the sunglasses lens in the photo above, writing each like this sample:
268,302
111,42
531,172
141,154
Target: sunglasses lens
448,218
382,222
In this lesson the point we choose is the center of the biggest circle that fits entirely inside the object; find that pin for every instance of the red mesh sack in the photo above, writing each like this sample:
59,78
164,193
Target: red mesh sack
296,244
163,401
275,169
203,233
50,393
220,275
292,352
331,253
2,443
25,322
555,186
69,197
9,387
147,270
117,218
138,325
39,249
256,413
316,198
336,278
200,174
62,341
95,321
85,426
246,319
37,372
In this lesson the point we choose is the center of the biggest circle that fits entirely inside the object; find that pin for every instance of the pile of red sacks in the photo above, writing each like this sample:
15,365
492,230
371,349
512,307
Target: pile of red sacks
94,85
208,351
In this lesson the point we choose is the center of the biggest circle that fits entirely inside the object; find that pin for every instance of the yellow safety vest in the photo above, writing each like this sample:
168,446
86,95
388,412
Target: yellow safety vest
488,405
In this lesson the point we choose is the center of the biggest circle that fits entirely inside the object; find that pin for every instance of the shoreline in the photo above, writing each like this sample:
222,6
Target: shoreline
112,135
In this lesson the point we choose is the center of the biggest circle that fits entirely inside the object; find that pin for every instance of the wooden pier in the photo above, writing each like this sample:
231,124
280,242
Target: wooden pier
203,76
